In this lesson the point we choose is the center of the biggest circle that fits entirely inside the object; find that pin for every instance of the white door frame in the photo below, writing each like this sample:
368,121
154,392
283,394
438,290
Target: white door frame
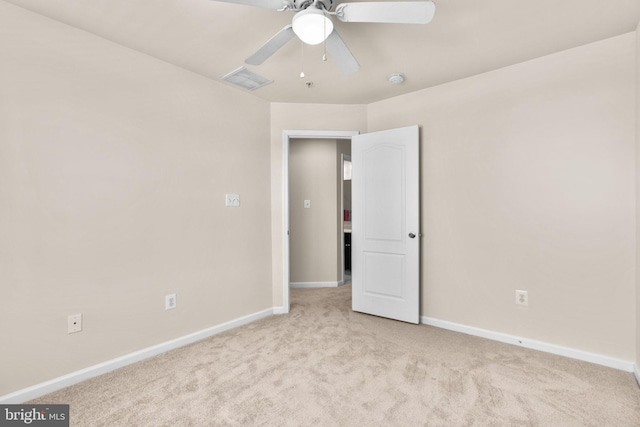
343,158
287,135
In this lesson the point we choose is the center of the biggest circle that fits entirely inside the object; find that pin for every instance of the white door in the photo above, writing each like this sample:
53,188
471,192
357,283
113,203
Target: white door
385,244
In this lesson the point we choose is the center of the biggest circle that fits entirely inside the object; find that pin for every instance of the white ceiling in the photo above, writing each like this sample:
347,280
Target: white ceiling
466,37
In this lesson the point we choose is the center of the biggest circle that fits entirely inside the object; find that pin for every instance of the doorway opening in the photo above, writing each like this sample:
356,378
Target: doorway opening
346,223
287,137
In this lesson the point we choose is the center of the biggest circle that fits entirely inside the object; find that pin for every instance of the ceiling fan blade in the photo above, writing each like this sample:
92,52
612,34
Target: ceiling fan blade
340,53
402,12
272,46
267,4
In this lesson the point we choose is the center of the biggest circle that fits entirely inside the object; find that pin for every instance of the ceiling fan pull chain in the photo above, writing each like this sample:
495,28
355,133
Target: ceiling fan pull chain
301,59
324,40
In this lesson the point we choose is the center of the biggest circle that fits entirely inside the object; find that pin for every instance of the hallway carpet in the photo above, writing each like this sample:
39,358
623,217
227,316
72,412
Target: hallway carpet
324,365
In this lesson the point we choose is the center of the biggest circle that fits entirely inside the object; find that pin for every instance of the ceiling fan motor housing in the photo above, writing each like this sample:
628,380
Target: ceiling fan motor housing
322,4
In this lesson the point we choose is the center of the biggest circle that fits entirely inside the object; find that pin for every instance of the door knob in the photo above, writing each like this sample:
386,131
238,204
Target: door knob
412,235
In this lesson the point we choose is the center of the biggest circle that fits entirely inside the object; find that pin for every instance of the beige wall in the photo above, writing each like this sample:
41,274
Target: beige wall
113,171
528,183
313,239
300,117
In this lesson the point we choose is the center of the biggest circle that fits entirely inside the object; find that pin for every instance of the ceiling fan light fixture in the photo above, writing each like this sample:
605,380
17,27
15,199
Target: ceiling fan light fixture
312,26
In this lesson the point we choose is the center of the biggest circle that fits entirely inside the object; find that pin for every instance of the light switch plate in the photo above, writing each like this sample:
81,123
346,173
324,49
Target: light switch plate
232,200
307,204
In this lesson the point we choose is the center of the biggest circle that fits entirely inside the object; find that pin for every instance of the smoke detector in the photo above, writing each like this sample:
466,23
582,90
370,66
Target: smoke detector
396,78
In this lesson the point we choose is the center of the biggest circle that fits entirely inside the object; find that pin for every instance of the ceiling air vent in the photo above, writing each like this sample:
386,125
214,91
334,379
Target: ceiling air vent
246,78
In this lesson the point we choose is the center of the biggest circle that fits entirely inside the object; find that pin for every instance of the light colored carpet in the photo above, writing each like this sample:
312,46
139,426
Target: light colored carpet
325,365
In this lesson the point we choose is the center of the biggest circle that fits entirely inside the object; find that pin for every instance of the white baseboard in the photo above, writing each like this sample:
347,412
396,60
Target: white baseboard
280,310
636,372
598,359
41,389
314,284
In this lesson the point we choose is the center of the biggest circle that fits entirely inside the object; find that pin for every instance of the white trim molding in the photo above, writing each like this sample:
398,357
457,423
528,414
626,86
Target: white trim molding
316,284
280,310
636,372
288,135
611,362
50,386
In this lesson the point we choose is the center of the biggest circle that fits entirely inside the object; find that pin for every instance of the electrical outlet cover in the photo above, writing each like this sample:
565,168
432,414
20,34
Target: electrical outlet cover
522,298
170,302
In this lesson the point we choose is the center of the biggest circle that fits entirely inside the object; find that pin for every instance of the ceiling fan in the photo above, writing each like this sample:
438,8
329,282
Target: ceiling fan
312,23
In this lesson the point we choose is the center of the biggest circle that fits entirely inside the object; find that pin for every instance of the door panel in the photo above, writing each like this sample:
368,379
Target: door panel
380,273
384,193
385,258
